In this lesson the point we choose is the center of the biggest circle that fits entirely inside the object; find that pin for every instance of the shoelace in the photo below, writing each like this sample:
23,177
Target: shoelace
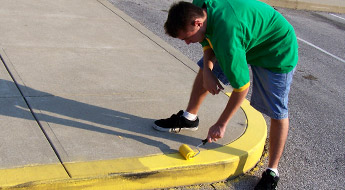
175,118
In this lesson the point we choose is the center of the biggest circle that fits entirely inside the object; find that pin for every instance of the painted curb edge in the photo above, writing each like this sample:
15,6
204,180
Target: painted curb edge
156,171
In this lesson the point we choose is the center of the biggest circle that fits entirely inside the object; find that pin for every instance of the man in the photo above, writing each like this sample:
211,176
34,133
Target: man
235,33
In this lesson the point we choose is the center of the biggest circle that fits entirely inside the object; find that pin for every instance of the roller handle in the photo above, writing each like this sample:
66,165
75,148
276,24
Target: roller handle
204,141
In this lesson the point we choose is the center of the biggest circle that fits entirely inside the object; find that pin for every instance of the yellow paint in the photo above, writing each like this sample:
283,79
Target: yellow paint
155,171
15,176
186,152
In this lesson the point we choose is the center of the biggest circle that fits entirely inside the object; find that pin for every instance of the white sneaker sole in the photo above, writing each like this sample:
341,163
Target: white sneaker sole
173,130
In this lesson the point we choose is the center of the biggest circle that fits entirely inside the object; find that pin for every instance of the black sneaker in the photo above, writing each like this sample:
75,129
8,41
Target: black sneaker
268,181
176,123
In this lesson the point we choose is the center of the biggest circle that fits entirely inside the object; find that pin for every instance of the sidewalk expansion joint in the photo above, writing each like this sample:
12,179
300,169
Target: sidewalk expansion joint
34,115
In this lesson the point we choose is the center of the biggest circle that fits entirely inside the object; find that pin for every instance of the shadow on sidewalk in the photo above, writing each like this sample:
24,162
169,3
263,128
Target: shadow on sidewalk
70,113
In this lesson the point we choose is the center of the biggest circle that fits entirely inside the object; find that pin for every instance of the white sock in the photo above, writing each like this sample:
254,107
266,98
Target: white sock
275,170
189,116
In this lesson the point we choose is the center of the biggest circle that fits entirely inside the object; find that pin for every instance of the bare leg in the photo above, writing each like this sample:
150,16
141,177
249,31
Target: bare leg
198,94
278,135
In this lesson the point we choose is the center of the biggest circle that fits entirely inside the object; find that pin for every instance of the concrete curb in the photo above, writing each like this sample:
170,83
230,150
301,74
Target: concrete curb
156,171
335,6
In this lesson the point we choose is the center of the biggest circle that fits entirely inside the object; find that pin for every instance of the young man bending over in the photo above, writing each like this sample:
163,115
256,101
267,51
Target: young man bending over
233,34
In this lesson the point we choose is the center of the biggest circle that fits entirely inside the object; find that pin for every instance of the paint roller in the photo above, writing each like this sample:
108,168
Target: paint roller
188,153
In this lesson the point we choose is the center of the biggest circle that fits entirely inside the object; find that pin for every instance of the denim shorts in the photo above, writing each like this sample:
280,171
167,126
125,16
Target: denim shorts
270,91
217,71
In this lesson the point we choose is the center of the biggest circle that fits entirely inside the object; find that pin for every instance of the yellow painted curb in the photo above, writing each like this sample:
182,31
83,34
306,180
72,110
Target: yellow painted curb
24,176
337,6
158,171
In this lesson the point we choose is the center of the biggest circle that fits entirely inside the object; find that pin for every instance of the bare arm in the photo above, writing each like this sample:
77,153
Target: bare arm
218,129
210,82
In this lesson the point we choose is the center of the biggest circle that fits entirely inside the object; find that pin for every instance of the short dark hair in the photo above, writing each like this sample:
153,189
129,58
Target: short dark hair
180,15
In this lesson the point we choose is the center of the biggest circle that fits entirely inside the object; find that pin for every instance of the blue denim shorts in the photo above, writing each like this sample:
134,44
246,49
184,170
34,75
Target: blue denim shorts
270,91
217,71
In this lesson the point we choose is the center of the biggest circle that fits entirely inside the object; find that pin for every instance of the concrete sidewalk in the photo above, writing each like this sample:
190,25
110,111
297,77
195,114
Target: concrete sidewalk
81,84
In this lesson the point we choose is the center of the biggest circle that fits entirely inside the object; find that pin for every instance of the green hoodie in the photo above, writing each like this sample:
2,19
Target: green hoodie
242,32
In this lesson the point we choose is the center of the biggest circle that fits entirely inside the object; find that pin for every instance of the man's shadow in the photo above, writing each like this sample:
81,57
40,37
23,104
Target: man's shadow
58,110
71,113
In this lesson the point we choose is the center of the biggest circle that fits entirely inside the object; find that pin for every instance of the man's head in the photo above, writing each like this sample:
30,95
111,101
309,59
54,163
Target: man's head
186,22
